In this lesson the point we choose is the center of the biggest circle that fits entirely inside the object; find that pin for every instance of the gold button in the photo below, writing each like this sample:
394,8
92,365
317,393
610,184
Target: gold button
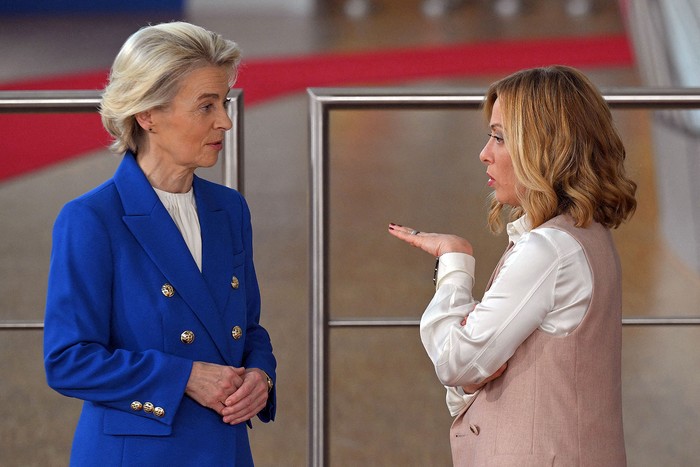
237,332
147,407
167,290
158,411
136,406
235,282
187,337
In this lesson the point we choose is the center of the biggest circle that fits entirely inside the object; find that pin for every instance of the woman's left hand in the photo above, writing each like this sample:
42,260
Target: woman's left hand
433,243
249,399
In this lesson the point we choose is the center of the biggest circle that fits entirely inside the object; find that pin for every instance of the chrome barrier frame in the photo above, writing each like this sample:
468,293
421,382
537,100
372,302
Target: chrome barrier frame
89,101
321,102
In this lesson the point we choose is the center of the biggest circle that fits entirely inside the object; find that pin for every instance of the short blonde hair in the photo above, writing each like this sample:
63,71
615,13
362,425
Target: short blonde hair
147,72
566,153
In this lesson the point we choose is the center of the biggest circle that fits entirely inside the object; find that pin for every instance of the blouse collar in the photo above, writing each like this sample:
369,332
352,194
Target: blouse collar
517,228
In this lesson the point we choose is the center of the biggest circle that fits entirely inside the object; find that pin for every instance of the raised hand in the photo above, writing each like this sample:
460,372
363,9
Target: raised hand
433,243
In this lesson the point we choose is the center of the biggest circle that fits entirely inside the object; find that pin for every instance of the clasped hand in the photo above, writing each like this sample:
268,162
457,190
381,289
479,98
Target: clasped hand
237,394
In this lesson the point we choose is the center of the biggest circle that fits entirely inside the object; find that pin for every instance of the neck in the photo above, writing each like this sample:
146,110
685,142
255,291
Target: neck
164,176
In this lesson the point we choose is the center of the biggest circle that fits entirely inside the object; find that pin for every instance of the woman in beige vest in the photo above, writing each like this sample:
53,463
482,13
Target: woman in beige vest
532,371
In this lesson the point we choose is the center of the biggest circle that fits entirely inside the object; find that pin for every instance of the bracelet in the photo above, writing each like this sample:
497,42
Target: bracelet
437,262
268,380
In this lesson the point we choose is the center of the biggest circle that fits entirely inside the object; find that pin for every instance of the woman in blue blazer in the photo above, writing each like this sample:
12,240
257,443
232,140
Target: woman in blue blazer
153,307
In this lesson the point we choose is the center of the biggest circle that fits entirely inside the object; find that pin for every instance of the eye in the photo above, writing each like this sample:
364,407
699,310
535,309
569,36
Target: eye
206,107
499,139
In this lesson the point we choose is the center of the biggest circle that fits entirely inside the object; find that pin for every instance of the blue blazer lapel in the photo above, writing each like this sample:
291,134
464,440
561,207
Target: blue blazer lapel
217,245
154,229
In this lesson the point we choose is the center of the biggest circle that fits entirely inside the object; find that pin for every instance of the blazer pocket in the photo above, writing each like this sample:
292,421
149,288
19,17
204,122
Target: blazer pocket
238,259
123,423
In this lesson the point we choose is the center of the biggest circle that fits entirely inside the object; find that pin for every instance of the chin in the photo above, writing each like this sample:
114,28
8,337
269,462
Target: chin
507,200
209,161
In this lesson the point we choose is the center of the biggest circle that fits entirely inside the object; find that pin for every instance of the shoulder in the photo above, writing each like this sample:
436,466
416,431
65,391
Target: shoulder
545,248
97,202
548,249
561,241
561,231
558,247
590,238
88,224
100,194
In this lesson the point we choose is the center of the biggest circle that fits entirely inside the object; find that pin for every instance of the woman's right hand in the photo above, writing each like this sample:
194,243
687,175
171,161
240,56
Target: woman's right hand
432,243
211,384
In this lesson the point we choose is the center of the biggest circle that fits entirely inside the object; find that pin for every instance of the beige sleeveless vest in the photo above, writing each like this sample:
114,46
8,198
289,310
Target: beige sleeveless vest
559,403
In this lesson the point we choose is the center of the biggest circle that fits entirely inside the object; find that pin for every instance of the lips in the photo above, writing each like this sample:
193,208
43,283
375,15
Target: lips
491,180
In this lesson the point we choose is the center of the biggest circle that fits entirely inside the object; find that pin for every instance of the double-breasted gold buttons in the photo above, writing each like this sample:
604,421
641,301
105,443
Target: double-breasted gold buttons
187,337
167,290
148,407
235,283
237,332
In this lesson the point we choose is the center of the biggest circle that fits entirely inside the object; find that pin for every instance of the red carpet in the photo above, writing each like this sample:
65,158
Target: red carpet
30,142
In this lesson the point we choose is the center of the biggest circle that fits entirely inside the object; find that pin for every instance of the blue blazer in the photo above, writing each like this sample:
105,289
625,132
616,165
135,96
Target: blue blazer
128,311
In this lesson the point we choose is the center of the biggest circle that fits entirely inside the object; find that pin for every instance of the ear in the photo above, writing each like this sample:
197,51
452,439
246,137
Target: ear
145,120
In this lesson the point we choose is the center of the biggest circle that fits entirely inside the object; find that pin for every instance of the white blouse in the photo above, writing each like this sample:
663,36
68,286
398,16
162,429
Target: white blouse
183,210
545,283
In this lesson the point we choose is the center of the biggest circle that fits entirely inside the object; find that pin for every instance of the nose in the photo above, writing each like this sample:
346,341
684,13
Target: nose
223,121
486,155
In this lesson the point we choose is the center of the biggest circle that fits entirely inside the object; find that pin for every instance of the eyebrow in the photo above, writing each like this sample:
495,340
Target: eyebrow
493,126
211,95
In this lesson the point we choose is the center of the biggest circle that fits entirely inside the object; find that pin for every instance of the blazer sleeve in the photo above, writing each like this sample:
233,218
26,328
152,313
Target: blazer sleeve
79,358
258,348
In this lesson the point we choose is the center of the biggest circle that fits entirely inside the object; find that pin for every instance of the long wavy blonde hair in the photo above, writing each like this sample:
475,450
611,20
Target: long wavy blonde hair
567,155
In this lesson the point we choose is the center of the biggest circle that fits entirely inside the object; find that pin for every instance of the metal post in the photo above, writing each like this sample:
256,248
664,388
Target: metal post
318,450
232,161
49,101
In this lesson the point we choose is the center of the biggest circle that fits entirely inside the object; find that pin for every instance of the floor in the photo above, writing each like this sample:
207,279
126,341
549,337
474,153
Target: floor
412,167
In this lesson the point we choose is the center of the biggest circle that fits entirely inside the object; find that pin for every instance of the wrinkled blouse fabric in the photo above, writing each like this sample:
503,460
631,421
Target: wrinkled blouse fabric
183,209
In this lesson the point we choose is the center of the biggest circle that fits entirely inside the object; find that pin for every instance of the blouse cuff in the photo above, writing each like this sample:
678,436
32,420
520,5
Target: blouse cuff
456,269
457,401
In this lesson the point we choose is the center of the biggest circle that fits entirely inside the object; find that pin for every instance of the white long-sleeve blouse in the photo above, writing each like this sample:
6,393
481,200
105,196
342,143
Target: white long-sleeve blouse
545,283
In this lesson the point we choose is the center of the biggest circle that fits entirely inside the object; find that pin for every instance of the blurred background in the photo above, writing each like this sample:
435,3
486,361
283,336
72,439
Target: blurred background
414,167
